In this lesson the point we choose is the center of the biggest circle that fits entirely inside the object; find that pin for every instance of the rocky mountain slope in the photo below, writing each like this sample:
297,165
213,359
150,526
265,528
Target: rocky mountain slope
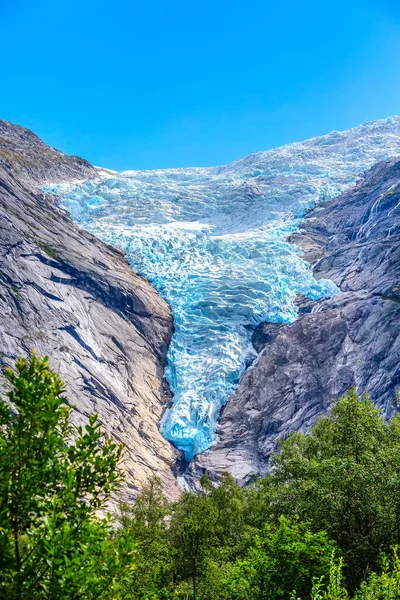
350,339
66,294
213,243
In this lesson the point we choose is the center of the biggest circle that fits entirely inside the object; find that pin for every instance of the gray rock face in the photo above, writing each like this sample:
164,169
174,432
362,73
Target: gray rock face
29,159
68,295
351,339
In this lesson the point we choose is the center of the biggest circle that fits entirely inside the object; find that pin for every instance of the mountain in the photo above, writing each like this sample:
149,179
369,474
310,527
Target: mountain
213,241
352,339
265,288
67,294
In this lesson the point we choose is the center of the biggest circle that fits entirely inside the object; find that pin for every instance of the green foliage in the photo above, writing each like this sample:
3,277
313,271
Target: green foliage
318,527
384,586
343,477
280,561
201,547
287,559
53,479
334,588
192,534
145,524
206,532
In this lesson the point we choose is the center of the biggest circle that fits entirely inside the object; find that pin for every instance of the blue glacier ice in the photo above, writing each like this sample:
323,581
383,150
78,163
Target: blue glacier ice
213,243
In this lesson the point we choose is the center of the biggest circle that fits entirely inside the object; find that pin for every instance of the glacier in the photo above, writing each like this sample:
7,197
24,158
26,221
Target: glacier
213,243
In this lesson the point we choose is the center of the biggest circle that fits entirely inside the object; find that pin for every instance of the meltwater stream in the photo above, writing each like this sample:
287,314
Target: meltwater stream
213,243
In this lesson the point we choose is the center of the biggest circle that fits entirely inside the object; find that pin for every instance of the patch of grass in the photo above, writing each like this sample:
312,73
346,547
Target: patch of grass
42,245
15,291
35,336
49,251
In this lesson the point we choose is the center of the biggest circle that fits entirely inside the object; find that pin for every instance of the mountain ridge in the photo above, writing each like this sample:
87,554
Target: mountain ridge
350,339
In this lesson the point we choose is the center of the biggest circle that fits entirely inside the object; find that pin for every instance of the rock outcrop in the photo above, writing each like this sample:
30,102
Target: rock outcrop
68,295
350,339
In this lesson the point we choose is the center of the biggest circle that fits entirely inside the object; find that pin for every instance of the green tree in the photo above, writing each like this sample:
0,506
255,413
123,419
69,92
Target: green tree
285,560
53,480
226,500
145,523
380,586
192,536
343,477
280,562
332,587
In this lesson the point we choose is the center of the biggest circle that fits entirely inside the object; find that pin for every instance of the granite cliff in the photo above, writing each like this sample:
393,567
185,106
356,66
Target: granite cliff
350,339
66,294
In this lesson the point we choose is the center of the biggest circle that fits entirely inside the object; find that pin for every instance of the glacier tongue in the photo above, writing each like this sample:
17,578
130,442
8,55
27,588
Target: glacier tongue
212,241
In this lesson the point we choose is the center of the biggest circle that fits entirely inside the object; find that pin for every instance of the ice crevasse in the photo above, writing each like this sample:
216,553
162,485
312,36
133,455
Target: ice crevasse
213,243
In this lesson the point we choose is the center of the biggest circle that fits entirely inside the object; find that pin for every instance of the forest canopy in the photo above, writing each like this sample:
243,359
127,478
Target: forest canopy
324,524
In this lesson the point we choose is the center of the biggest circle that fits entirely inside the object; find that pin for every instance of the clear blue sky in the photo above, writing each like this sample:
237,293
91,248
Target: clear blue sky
152,84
